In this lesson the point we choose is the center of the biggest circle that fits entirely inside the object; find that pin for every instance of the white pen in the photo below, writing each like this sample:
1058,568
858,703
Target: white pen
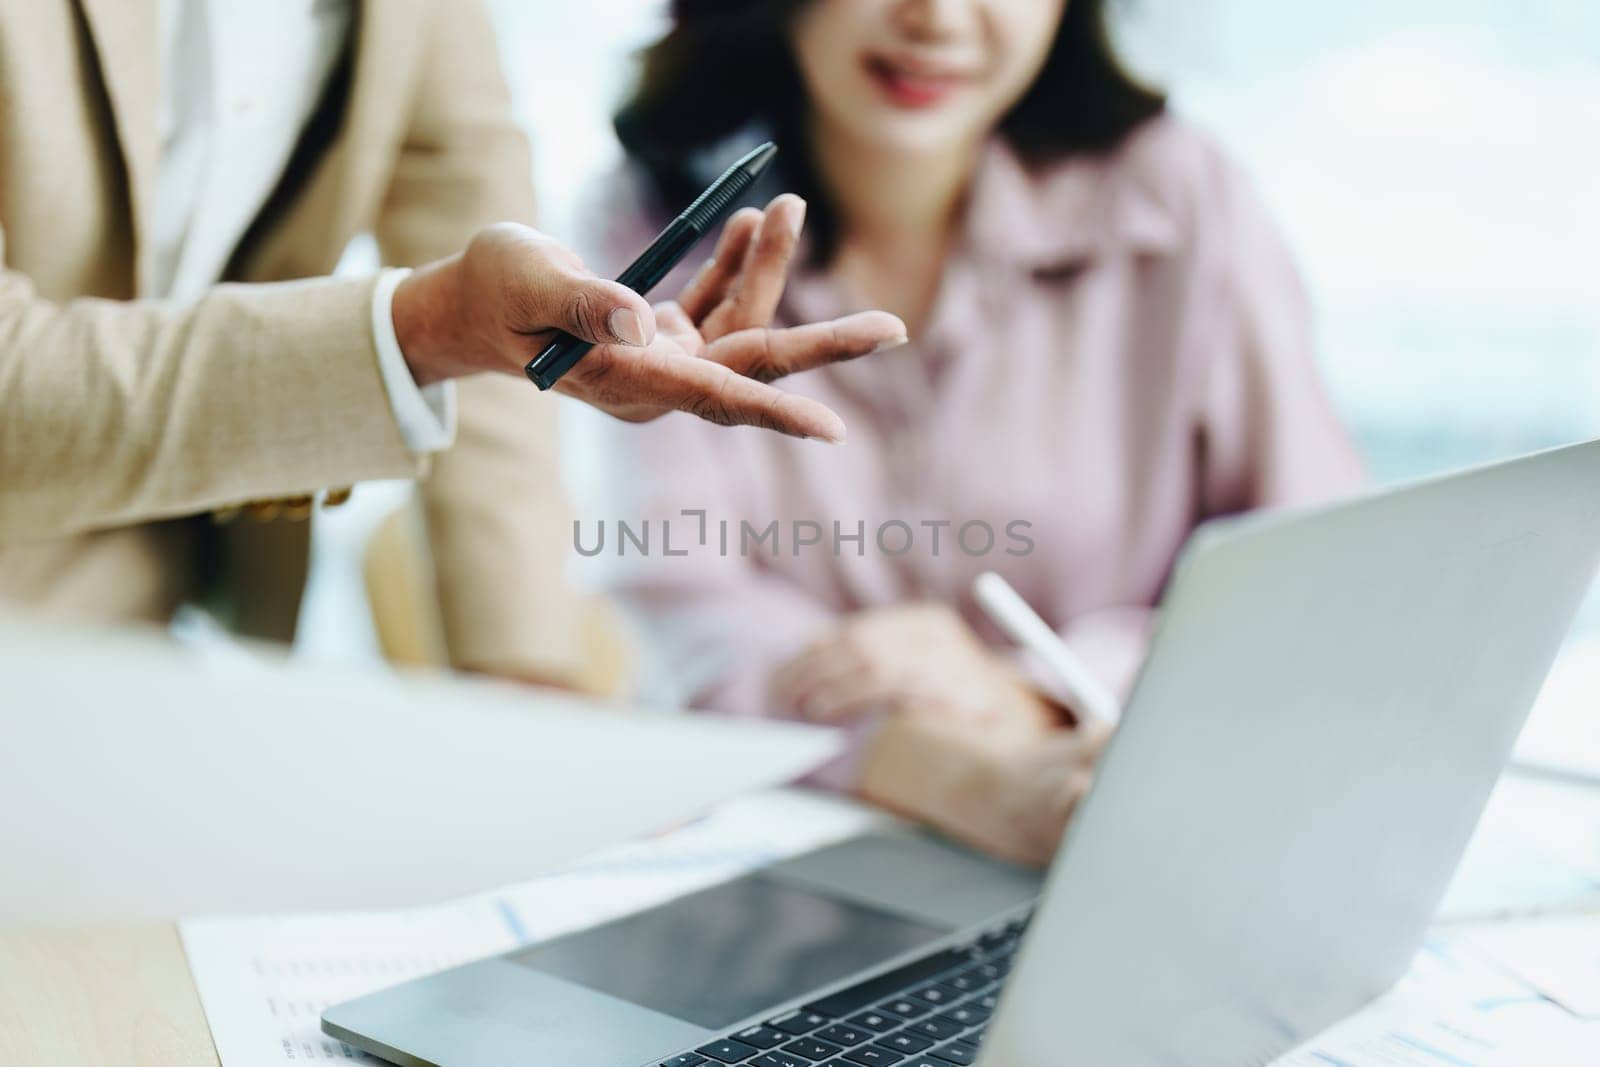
1089,698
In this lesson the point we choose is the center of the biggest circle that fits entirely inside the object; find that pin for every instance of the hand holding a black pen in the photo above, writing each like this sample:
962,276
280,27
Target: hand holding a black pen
712,352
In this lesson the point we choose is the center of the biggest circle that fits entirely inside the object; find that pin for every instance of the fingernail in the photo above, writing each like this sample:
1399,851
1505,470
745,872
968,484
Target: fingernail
625,326
800,220
893,342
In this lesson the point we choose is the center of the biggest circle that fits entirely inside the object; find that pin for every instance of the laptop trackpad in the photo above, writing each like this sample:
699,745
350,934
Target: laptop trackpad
723,954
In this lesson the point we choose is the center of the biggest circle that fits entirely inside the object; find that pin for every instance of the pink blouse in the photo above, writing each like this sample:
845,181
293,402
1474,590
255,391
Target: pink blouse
1120,349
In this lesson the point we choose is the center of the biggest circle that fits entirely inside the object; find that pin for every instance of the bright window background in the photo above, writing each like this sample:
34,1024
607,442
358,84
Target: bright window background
1435,163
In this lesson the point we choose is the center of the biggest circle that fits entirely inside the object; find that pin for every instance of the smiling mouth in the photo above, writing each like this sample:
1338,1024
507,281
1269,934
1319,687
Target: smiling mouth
913,85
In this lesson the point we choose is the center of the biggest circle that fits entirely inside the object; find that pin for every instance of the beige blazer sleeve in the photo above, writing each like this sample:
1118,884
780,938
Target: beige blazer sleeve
115,412
498,519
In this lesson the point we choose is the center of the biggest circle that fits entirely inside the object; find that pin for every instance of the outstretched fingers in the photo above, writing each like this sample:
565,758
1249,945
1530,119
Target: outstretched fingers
713,392
766,355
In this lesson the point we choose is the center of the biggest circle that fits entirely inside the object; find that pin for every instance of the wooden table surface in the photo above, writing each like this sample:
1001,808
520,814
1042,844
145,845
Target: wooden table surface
93,997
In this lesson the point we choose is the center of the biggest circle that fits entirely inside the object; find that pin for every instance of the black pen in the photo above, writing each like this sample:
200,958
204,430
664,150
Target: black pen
664,253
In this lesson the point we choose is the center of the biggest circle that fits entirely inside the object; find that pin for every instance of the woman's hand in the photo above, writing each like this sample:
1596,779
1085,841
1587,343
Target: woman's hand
495,305
1007,790
919,657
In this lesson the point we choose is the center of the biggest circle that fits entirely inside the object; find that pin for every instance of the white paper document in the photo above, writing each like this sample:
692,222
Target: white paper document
1536,850
142,780
264,982
1557,955
1454,1010
1416,1030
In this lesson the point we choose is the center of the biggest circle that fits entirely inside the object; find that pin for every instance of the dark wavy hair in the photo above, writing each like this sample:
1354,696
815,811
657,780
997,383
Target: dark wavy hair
728,65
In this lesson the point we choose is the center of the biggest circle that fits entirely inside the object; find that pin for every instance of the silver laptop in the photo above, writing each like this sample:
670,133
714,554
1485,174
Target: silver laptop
1326,706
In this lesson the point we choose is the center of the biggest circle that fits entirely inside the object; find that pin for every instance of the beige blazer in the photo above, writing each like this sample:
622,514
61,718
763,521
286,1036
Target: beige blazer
125,421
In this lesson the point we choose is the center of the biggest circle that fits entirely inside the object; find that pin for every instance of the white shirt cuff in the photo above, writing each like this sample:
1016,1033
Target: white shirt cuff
426,415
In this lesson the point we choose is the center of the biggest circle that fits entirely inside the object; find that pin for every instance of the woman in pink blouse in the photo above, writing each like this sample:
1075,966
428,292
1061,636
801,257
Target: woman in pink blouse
1109,345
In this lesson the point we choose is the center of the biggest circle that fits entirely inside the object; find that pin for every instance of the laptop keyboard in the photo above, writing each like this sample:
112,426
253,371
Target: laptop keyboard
931,1012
